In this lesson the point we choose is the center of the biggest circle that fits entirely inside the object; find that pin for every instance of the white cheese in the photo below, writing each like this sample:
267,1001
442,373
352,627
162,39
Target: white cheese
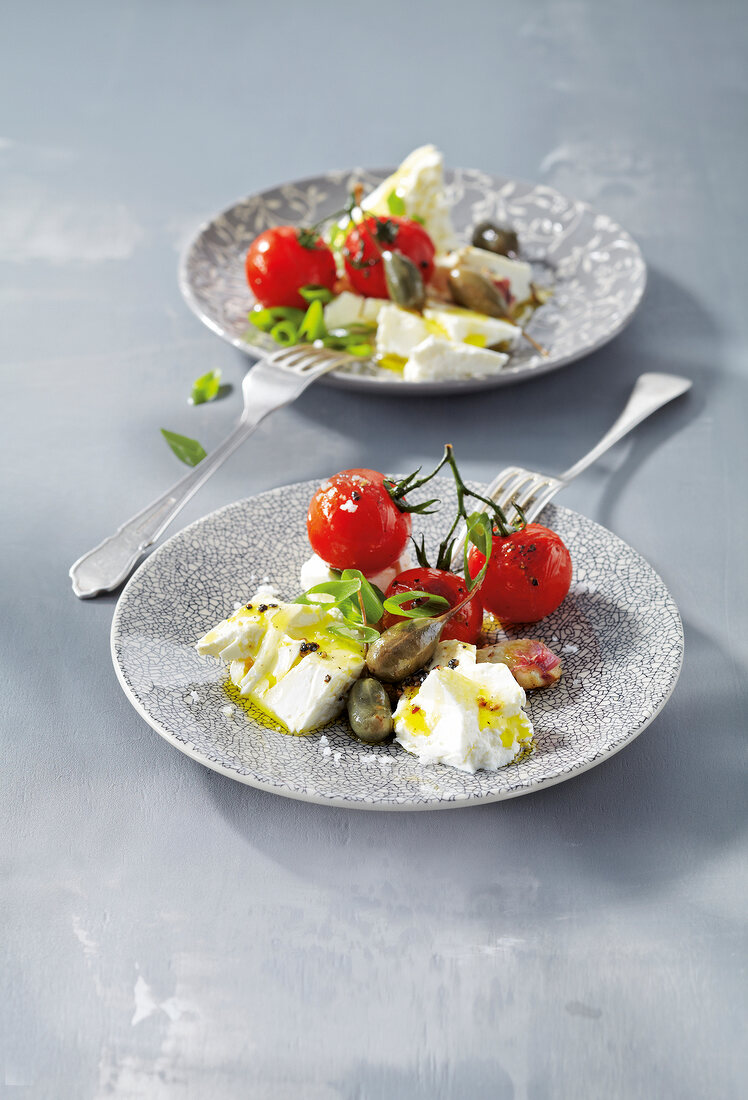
518,272
468,716
284,658
467,326
437,359
316,571
399,331
419,183
350,309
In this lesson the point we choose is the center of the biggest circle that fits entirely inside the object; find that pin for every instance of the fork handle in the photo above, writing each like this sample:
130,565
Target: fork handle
650,393
108,564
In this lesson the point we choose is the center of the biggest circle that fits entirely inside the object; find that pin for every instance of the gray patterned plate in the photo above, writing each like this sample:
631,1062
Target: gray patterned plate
595,268
618,632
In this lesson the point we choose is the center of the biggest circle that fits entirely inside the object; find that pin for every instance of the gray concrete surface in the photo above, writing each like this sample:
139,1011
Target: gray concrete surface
170,935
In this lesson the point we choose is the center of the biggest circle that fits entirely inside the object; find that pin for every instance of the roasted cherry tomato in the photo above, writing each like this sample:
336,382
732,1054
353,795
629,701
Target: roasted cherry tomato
284,258
466,624
528,575
353,523
364,245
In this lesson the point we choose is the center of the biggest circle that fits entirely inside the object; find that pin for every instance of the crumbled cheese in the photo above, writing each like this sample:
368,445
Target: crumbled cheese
323,740
327,751
229,710
194,697
284,658
570,649
349,506
468,716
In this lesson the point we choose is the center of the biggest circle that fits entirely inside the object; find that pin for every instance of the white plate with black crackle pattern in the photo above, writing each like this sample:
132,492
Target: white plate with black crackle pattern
594,267
618,632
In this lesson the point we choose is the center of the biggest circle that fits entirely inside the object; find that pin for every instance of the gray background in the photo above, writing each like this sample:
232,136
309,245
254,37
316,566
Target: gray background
171,934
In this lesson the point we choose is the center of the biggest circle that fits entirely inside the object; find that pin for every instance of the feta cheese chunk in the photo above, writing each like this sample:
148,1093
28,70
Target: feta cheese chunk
399,331
464,714
437,359
468,327
350,309
518,272
419,183
284,658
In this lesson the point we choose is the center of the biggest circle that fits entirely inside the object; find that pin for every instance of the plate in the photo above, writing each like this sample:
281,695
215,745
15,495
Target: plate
618,632
595,267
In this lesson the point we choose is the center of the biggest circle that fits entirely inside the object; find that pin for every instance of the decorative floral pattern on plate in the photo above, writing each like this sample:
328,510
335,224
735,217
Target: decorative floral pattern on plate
618,632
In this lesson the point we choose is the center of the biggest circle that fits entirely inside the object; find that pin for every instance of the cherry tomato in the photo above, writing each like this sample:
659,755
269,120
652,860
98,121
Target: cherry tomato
284,258
465,626
362,257
528,575
353,523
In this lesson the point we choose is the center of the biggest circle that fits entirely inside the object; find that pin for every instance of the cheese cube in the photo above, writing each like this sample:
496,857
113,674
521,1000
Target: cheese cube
350,309
467,326
436,359
399,331
419,184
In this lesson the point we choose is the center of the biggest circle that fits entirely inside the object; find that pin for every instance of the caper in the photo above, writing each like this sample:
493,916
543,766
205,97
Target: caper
404,648
404,281
496,238
473,291
369,711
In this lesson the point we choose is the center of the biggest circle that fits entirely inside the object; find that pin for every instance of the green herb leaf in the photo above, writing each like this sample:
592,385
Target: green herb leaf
480,535
395,204
339,590
417,218
432,605
187,450
354,632
314,293
370,595
206,387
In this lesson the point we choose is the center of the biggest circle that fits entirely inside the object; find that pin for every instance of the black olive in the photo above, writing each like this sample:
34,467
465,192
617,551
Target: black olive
496,238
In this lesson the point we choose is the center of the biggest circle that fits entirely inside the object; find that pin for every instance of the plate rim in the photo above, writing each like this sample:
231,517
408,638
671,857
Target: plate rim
374,384
319,799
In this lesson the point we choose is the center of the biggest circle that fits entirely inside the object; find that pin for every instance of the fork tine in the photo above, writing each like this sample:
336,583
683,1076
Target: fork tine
530,489
501,480
307,359
543,497
519,486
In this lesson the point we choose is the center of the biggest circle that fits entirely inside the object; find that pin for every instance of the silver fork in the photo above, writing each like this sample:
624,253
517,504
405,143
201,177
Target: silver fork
533,490
274,381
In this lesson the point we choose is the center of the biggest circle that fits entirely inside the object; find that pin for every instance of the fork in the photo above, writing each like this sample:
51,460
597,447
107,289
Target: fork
274,381
532,490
